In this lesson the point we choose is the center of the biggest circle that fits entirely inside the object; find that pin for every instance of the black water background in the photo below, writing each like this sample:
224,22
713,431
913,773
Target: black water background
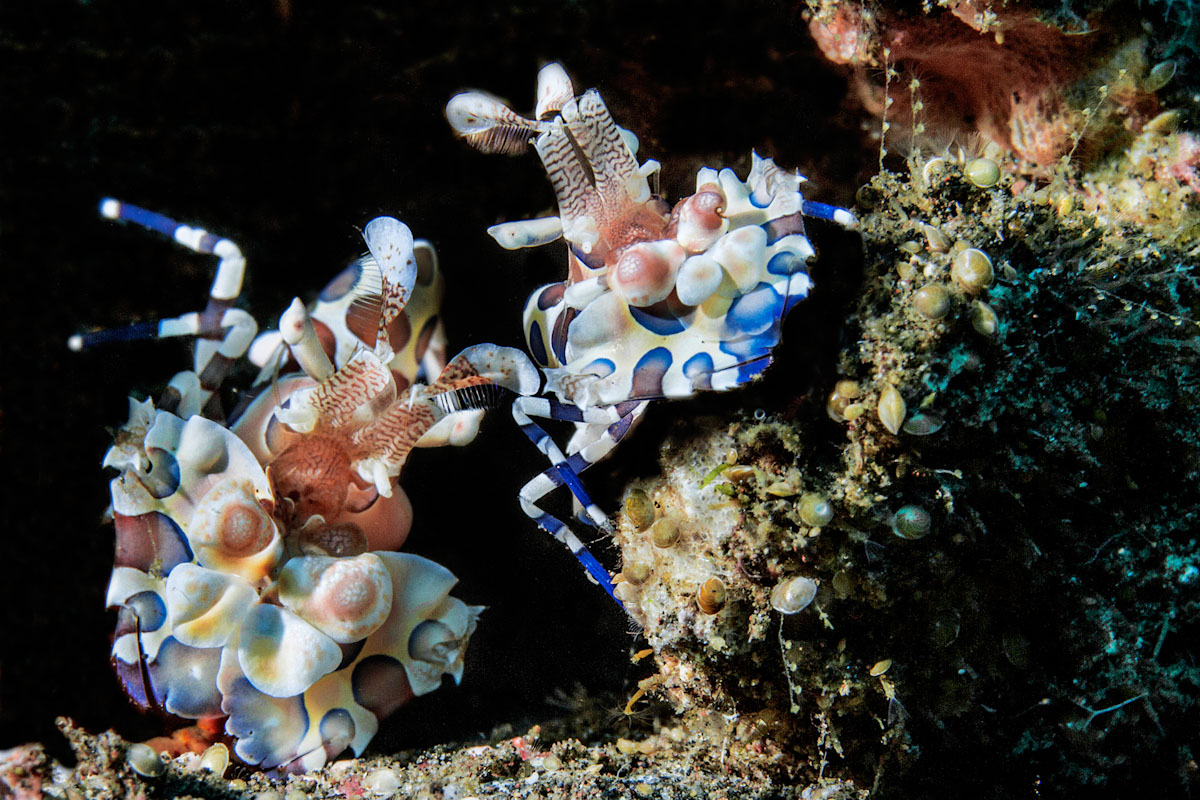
284,127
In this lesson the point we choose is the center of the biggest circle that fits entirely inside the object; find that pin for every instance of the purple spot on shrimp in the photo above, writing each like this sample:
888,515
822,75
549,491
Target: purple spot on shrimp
350,652
752,369
761,195
551,296
537,344
163,478
619,428
424,338
144,611
131,678
784,226
558,338
150,539
662,326
337,731
600,367
380,685
649,372
426,264
207,242
749,348
699,369
786,262
624,408
754,313
184,679
590,260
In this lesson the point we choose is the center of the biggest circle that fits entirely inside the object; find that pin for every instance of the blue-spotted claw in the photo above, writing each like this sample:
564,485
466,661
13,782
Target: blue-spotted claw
658,302
253,576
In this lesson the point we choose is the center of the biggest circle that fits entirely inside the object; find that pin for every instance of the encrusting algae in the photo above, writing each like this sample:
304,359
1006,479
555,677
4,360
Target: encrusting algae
1029,362
1015,518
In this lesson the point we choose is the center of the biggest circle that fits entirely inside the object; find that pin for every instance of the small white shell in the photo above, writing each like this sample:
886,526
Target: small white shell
793,594
381,782
815,509
215,759
144,760
972,270
891,409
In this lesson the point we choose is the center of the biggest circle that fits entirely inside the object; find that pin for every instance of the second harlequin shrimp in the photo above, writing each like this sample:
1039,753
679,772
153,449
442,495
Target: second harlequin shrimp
255,576
658,301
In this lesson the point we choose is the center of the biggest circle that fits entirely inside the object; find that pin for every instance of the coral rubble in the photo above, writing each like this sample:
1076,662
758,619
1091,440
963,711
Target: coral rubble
1014,499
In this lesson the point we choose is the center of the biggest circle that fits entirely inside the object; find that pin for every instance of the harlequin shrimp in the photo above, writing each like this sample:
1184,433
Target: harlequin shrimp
659,302
254,576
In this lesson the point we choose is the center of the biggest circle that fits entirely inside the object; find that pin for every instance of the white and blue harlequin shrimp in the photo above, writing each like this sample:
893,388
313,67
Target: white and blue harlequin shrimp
254,576
658,302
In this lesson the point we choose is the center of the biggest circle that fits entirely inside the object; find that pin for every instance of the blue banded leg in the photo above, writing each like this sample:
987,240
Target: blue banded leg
558,529
566,470
220,342
525,408
227,284
590,451
234,320
223,334
215,350
842,216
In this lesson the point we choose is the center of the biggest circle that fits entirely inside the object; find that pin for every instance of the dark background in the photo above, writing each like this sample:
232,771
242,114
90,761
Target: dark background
286,128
